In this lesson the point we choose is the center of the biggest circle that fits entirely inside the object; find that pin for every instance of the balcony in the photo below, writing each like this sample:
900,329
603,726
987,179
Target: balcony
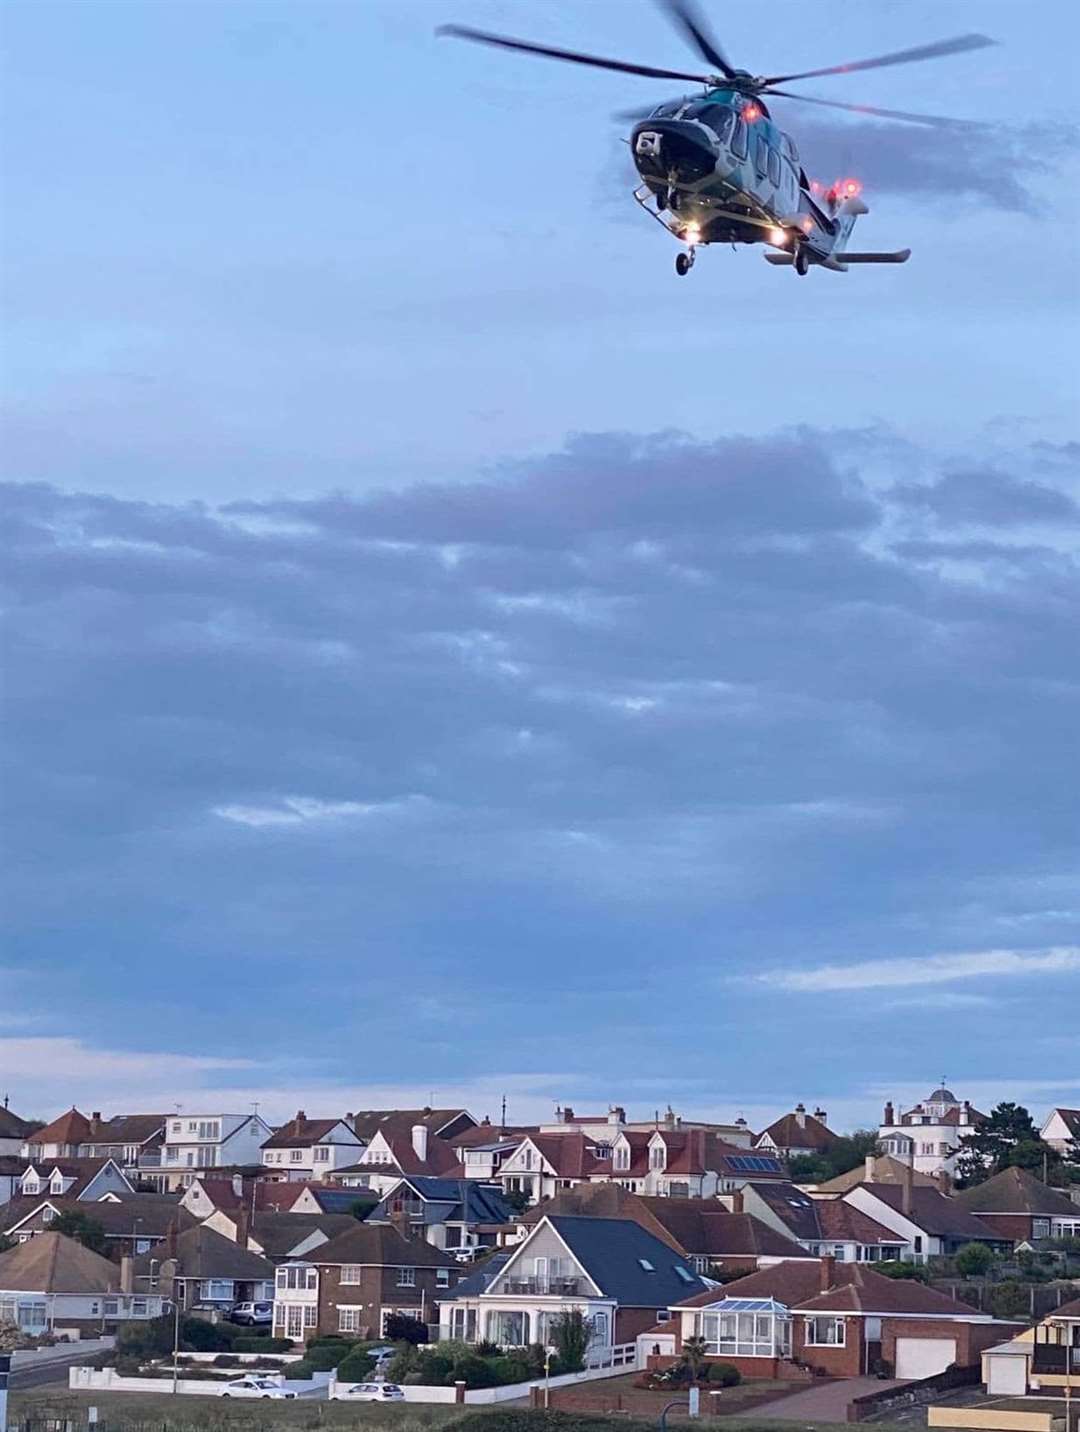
543,1287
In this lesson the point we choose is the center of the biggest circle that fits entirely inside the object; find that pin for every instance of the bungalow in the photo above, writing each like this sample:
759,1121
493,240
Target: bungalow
54,1284
835,1321
450,1213
797,1133
927,1222
307,1149
85,1179
354,1282
821,1225
875,1168
617,1273
199,1268
1017,1206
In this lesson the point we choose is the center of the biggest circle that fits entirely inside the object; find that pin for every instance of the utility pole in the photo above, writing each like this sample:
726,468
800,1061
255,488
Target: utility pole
177,1290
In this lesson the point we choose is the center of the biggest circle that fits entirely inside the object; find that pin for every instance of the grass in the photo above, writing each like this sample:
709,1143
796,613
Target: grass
153,1412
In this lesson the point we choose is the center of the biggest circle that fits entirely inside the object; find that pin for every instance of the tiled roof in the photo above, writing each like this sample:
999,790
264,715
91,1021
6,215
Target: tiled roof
368,1122
843,1223
278,1234
795,1209
300,1133
611,1200
886,1170
269,1196
461,1199
126,1129
853,1288
571,1154
1014,1190
482,1275
332,1199
203,1253
1071,1119
51,1263
69,1128
933,1211
442,1159
626,1262
11,1126
1067,1310
787,1133
137,1215
380,1244
487,1133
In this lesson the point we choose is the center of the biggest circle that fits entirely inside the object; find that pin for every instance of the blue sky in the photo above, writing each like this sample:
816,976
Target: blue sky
447,654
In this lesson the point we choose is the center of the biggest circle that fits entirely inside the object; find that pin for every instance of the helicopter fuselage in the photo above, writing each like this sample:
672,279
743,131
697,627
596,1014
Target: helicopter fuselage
724,172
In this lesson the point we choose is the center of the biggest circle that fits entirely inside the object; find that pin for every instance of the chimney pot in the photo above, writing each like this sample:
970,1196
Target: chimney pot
822,1115
568,1115
889,1119
95,1117
800,1115
737,1201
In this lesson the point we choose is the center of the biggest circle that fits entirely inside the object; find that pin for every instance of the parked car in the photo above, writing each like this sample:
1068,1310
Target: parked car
370,1392
254,1386
253,1314
383,1354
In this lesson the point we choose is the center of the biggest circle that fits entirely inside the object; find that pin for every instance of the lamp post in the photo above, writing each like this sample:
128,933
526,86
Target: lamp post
177,1291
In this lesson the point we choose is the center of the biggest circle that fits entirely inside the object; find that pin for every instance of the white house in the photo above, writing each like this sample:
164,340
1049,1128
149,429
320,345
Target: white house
928,1135
53,1284
309,1149
203,1141
1061,1130
928,1223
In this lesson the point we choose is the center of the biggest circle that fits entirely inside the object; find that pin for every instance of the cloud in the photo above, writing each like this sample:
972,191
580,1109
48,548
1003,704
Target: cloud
988,498
926,970
992,166
304,810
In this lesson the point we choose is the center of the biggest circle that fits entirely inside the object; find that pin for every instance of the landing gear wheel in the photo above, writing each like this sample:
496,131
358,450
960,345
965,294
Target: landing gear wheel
683,264
802,261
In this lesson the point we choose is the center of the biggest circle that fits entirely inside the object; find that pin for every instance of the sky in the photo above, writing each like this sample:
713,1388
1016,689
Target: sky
448,656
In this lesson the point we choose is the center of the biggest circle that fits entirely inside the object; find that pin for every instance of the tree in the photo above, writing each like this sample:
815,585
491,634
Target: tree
84,1229
570,1335
399,1327
516,1199
974,1260
846,1153
695,1351
1006,1138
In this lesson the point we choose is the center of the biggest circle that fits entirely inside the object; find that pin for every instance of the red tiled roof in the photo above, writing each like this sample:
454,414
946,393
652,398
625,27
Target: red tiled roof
853,1288
841,1222
787,1133
270,1197
69,1128
570,1154
300,1133
1014,1190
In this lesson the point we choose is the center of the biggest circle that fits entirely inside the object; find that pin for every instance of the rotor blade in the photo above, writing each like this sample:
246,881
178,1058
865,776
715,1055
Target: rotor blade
957,45
688,18
940,121
643,111
484,37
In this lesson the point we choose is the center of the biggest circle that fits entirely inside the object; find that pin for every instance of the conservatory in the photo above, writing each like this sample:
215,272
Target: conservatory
746,1327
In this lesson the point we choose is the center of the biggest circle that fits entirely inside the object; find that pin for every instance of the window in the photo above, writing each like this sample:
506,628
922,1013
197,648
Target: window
296,1155
825,1332
774,167
48,1214
739,140
622,1157
138,1307
463,1324
176,1127
442,1277
348,1320
646,1265
350,1272
111,1307
309,1315
663,1315
747,1334
296,1276
657,1156
761,155
142,1245
322,1154
217,1290
406,1277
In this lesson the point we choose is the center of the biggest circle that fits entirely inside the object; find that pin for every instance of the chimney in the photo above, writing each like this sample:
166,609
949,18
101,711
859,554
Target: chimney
944,1181
670,1121
238,1184
800,1115
868,1168
828,1269
907,1191
300,1121
243,1228
821,1114
889,1119
737,1201
965,1112
127,1276
399,1221
169,1249
420,1141
568,1115
95,1117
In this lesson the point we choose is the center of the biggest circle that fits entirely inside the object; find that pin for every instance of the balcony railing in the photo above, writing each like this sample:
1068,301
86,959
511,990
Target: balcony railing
1051,1357
541,1286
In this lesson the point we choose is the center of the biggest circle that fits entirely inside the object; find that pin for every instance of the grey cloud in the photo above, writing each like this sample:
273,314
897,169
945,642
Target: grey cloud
990,498
993,166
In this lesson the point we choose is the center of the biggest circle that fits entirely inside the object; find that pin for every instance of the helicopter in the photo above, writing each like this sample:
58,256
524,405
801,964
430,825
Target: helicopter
715,167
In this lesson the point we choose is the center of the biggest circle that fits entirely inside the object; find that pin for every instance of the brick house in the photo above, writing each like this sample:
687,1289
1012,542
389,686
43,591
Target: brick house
1018,1206
836,1321
353,1282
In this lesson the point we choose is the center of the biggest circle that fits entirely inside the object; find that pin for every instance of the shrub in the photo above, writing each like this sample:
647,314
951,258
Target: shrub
356,1366
484,1348
475,1371
512,1368
435,1368
974,1260
264,1344
506,1419
226,1359
201,1336
724,1374
142,1340
897,1268
1010,1300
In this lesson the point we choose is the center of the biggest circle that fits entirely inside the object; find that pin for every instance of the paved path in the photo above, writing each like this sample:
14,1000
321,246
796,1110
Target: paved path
824,1402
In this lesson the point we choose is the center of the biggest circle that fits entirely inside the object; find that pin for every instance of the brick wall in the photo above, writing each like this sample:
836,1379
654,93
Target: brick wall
845,1361
378,1289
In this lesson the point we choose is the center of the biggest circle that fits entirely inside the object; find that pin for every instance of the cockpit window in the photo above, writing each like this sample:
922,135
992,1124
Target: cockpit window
739,139
717,116
667,111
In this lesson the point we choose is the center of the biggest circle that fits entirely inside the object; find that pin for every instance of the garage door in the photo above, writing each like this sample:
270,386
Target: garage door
1006,1376
923,1357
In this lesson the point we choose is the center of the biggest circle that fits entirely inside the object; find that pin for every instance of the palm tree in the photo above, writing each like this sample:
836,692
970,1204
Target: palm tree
695,1351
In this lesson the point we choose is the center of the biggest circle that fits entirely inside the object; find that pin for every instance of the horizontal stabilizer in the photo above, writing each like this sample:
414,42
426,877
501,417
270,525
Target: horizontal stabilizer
901,256
779,258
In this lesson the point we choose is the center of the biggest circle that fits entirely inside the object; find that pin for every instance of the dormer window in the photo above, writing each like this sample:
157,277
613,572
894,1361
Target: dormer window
657,1156
622,1157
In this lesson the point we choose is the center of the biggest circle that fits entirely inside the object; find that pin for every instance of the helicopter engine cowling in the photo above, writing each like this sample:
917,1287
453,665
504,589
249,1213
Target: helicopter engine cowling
663,148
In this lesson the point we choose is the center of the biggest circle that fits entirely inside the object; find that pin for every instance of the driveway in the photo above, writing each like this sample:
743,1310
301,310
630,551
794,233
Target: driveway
825,1402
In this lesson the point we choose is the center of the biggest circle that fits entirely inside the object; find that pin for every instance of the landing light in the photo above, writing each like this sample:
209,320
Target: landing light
692,234
777,237
751,112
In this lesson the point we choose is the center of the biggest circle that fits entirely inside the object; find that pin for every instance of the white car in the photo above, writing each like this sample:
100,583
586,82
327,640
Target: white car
254,1386
370,1392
